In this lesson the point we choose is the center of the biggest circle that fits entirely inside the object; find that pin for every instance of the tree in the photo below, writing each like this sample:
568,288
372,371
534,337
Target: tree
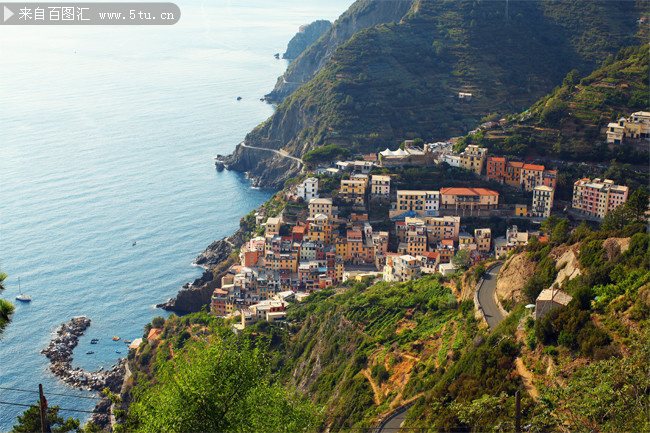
637,205
6,307
30,421
218,385
462,259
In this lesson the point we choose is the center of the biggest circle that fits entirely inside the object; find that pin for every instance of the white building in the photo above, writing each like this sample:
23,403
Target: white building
308,189
452,159
542,201
432,203
550,299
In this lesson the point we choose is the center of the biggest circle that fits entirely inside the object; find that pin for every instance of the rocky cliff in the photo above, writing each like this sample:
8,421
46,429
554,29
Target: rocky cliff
265,167
308,35
361,15
197,294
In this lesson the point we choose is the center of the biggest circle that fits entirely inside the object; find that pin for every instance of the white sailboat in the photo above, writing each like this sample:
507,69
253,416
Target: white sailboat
22,297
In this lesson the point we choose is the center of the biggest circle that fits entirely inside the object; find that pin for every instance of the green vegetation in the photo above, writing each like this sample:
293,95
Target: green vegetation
6,307
30,421
567,123
400,81
325,154
219,384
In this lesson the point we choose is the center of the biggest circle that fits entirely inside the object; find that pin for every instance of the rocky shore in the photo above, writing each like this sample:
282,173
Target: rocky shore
59,351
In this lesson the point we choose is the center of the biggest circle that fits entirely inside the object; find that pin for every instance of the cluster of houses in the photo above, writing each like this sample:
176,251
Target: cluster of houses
629,129
320,248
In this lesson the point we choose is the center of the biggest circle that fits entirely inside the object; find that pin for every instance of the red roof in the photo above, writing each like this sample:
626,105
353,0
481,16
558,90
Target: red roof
431,255
354,233
299,230
533,167
467,191
515,164
496,159
447,242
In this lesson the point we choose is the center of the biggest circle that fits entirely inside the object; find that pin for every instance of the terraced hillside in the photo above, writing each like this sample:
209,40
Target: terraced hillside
397,81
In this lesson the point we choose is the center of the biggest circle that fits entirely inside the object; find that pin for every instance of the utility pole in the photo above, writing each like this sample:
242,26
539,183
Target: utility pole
517,412
41,404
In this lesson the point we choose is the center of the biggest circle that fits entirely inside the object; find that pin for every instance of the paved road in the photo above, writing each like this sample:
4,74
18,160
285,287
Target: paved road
486,298
279,152
395,422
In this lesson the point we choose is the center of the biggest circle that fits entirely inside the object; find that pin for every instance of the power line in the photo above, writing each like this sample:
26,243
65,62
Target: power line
30,405
50,393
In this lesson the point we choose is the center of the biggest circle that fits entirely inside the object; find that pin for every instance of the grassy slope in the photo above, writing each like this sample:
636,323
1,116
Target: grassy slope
399,81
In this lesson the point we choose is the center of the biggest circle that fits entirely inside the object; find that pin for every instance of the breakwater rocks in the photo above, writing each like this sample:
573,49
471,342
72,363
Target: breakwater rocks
60,350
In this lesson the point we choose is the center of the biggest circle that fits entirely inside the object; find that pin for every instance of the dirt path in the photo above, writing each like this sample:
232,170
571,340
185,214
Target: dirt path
375,389
526,378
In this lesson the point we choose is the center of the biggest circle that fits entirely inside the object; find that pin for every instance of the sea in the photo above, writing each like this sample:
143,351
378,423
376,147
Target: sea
107,138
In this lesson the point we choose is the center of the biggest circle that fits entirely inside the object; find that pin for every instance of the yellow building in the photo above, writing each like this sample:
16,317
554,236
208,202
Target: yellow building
320,206
273,226
320,229
439,228
473,158
353,191
282,261
483,240
521,210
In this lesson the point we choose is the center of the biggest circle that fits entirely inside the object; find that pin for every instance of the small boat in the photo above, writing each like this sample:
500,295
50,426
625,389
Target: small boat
90,352
22,297
239,98
116,338
117,351
94,341
134,243
127,341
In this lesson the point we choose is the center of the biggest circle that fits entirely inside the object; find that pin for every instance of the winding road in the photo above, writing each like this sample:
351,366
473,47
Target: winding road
278,152
486,300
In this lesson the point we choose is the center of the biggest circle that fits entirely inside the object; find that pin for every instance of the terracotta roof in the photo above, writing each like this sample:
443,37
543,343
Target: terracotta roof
447,242
467,191
299,229
515,164
497,158
533,167
431,255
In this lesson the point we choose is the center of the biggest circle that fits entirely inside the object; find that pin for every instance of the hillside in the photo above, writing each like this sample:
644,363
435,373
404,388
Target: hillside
569,123
307,35
363,349
360,15
397,81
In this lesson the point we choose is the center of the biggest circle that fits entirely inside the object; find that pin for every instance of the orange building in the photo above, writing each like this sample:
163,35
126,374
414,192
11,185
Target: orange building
513,172
496,168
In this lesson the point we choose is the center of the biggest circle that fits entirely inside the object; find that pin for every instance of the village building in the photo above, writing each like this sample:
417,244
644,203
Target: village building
496,168
468,199
308,189
473,158
636,127
550,299
445,227
380,186
353,191
596,198
542,201
483,240
321,206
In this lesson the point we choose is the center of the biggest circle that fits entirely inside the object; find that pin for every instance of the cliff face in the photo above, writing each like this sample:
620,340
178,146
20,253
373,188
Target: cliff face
307,36
361,15
265,167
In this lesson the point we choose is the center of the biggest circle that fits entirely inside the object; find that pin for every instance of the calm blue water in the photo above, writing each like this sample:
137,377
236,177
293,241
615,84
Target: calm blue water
107,137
